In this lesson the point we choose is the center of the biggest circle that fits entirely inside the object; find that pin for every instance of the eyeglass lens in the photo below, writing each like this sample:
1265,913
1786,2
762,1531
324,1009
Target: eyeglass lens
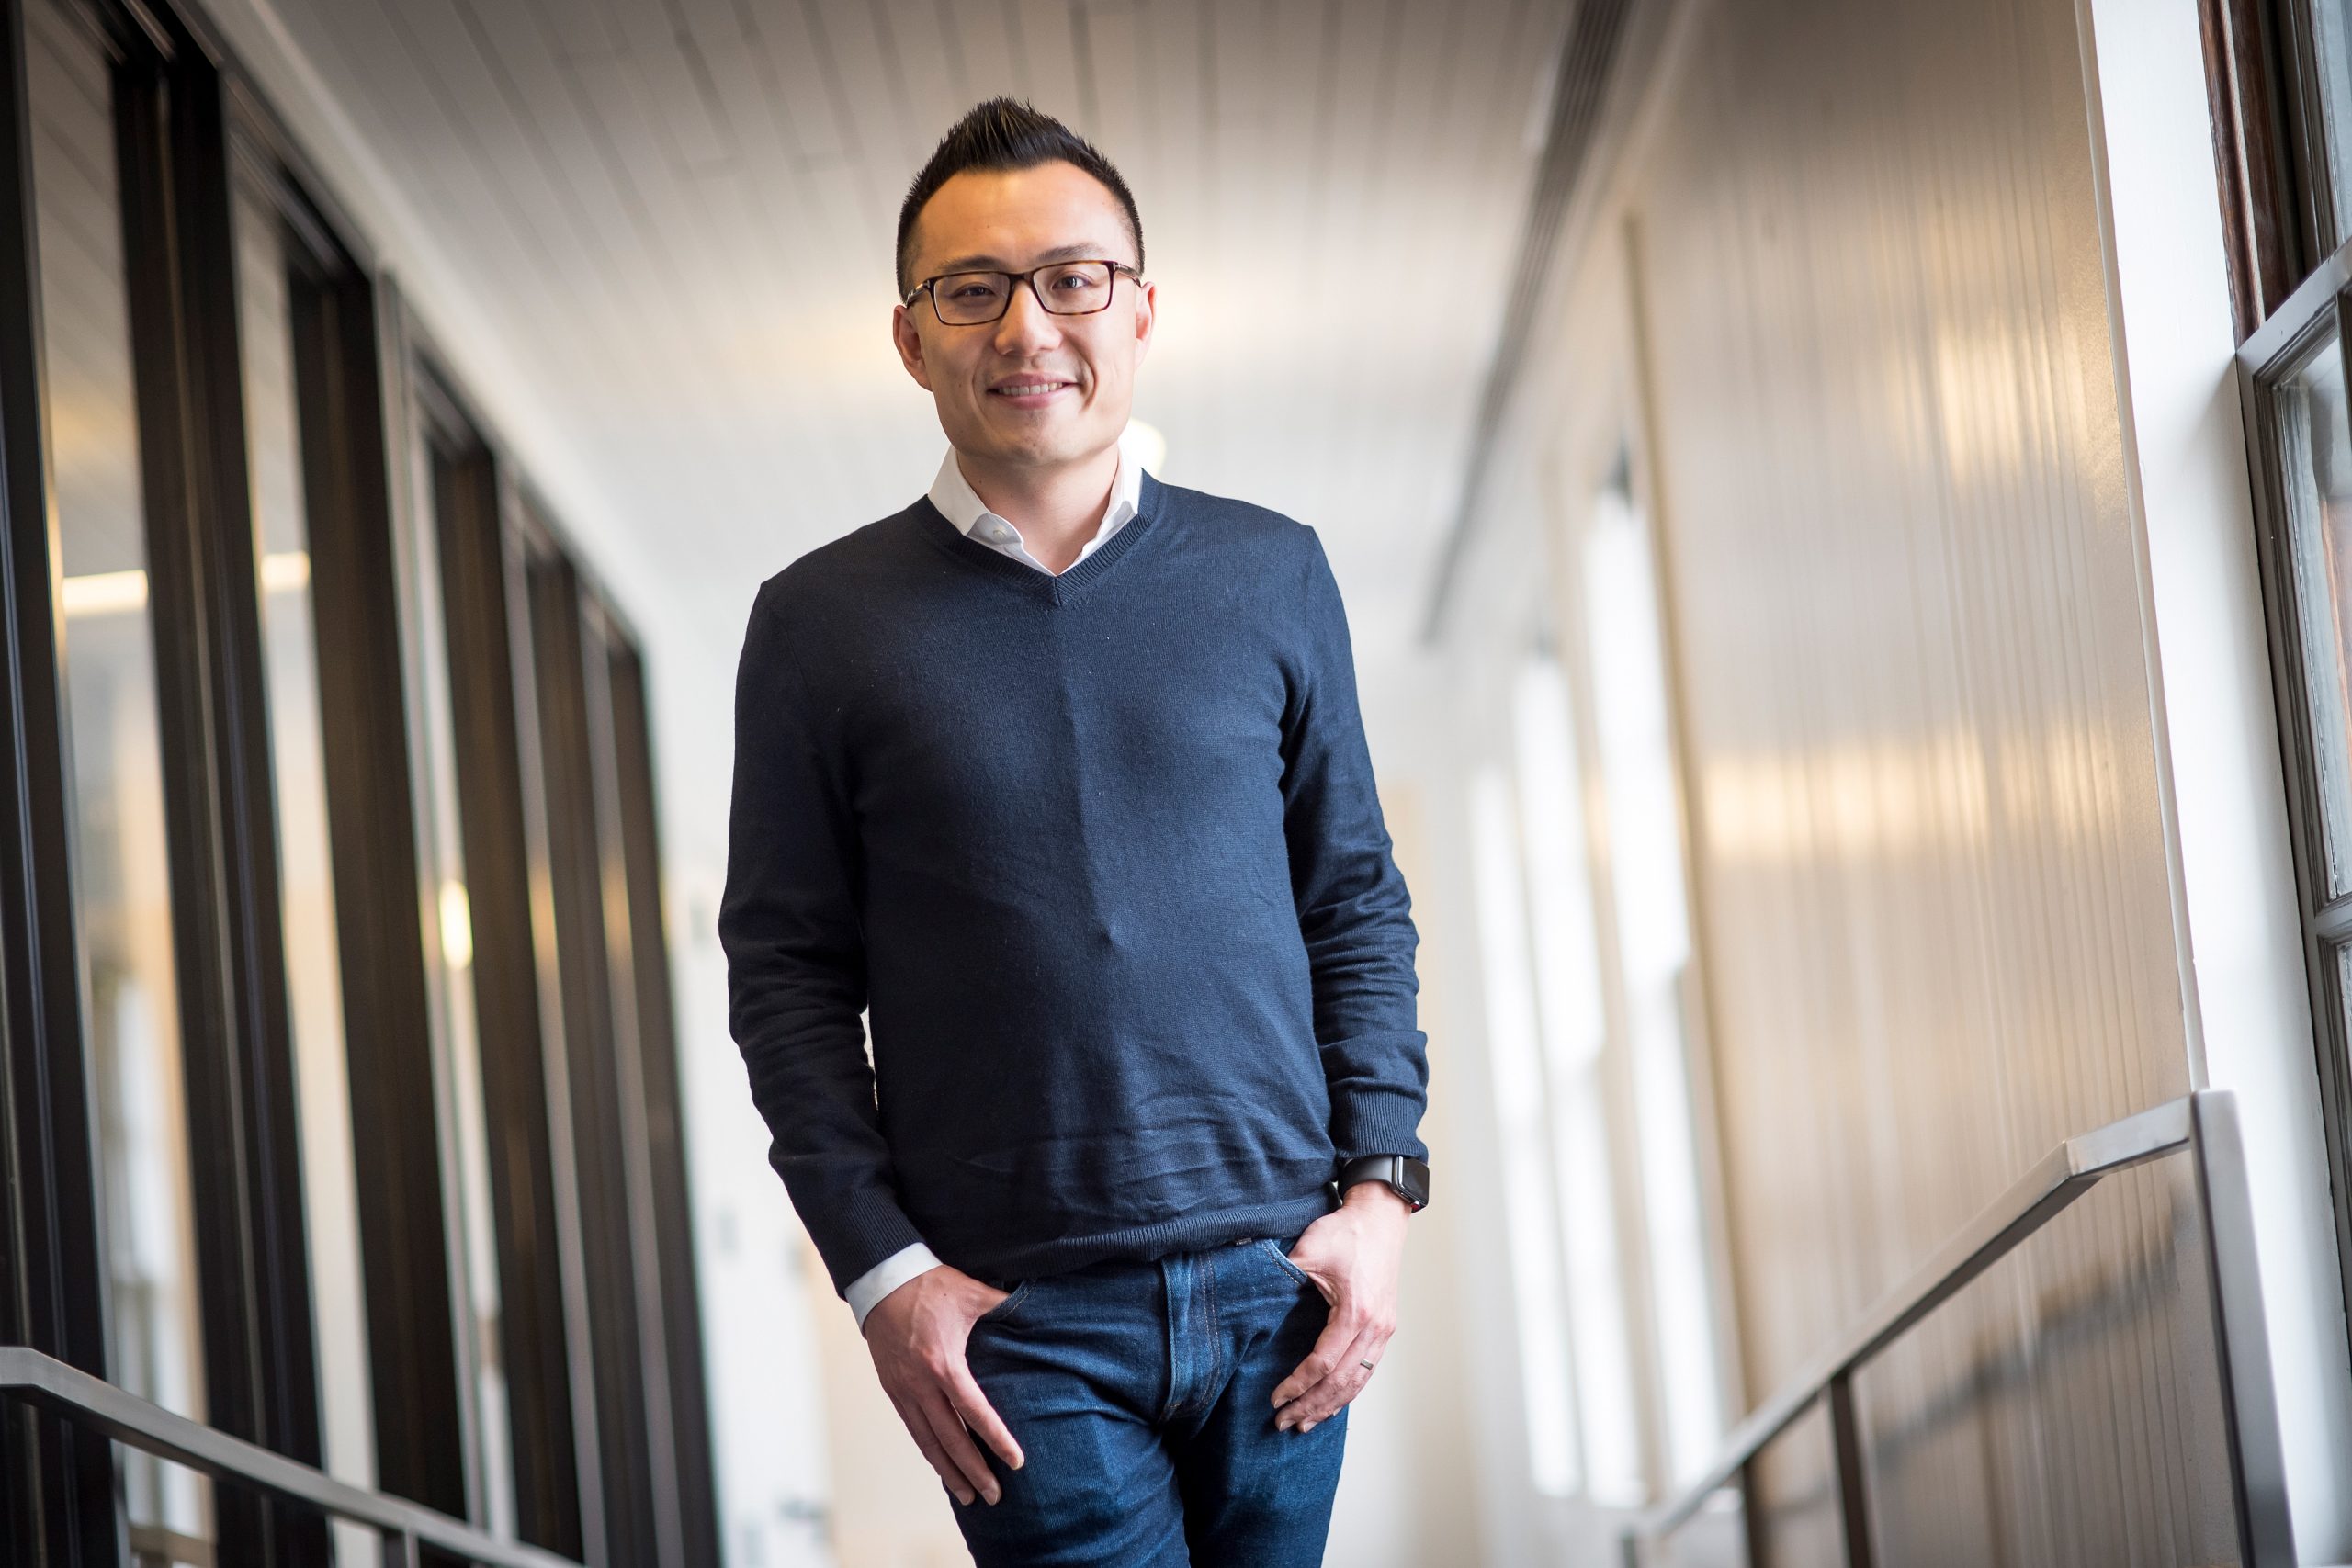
1070,289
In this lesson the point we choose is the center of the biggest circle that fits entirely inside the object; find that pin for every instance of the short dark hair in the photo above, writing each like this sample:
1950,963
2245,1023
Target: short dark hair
1006,133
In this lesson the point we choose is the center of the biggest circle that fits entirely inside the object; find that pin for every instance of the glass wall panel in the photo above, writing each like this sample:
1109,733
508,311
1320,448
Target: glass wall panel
446,476
604,1098
671,1244
635,1101
2315,462
122,891
274,408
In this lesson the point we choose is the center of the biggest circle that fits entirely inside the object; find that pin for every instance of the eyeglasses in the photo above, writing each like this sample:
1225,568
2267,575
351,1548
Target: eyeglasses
1063,288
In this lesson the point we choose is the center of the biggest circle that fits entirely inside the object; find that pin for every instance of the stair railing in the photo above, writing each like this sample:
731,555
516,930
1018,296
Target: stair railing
2202,1126
28,1376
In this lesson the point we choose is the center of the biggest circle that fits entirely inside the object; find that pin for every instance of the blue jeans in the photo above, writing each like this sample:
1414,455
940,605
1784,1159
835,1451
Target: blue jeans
1142,1397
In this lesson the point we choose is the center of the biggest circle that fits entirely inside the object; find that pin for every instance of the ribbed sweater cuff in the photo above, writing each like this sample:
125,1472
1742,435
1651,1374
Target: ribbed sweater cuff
869,1230
1376,1122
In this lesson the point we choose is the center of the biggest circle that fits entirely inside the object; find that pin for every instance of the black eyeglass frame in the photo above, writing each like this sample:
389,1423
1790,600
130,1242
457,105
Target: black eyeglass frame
1029,277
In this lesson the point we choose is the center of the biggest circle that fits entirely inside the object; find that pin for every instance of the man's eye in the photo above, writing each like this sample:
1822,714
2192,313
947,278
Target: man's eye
971,291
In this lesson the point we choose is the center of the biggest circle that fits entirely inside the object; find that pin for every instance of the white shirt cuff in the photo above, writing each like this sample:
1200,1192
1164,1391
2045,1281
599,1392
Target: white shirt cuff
869,1288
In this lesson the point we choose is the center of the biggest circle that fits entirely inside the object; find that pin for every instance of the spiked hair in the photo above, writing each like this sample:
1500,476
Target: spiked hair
1005,133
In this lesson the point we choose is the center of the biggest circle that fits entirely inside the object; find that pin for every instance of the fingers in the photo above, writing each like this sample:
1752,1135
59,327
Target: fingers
1336,1389
980,1416
1337,1384
945,1445
948,1427
919,1428
1335,1369
917,1340
1340,1331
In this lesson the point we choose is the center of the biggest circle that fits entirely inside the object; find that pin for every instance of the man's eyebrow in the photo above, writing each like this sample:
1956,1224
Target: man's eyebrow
1084,252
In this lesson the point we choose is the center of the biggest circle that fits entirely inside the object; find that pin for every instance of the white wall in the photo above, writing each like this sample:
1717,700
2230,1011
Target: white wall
2216,977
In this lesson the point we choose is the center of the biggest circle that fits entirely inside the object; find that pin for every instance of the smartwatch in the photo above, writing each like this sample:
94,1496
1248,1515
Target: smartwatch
1401,1174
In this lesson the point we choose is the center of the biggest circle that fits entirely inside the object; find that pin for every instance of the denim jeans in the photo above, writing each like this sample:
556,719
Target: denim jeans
1142,1397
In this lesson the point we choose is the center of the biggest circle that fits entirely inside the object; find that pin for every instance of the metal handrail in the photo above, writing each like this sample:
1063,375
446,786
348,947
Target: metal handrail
75,1395
2203,1124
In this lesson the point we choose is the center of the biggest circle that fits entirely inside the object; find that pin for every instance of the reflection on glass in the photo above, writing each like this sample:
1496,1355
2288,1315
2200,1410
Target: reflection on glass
465,1171
1515,1065
315,980
123,898
2331,43
1653,955
1556,827
2315,462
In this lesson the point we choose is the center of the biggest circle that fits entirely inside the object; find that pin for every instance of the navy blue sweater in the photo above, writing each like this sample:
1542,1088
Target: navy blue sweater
1101,856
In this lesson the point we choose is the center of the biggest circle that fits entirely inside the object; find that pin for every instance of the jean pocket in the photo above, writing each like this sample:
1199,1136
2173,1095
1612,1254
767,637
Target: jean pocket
1006,1307
1273,1249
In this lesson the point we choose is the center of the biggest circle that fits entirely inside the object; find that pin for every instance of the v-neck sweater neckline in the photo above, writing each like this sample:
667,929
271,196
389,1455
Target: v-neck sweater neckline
1053,587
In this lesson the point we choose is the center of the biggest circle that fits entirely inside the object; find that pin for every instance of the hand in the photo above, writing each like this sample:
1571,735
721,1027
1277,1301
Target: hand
917,1334
1353,1254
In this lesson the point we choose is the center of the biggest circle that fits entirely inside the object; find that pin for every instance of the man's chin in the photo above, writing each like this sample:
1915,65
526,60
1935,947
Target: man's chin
1040,449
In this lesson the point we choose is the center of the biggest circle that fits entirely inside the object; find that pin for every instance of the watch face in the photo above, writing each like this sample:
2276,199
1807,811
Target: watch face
1413,1182
1407,1178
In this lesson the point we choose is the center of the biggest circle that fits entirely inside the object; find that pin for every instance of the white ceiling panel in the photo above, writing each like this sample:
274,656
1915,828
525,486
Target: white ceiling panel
678,214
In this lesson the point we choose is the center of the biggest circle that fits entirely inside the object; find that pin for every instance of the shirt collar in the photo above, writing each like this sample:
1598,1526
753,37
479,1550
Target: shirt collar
961,504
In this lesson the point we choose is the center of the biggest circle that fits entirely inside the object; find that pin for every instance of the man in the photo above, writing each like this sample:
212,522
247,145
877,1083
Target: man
1059,773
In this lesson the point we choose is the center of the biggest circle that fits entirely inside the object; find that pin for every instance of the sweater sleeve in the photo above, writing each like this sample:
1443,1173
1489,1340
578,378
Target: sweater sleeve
1353,909
796,961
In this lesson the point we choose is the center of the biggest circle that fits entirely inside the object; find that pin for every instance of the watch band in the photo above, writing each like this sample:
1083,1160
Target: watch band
1401,1174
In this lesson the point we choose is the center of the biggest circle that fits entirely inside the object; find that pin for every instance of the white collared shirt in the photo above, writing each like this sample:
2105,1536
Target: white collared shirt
961,504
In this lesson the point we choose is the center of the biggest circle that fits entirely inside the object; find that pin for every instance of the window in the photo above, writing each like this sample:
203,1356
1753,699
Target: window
269,1109
270,257
1531,1225
606,1088
1647,881
2304,485
2279,82
1591,1001
1556,829
451,477
2289,218
131,1002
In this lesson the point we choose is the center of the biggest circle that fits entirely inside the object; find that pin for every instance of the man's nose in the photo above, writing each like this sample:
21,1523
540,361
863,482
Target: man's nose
1026,324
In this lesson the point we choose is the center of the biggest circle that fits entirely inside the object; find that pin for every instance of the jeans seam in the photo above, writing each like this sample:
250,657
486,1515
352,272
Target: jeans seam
1170,1406
1217,1338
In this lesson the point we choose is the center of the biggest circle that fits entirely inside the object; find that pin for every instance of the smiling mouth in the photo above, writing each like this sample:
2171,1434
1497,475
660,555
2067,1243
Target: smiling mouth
1028,388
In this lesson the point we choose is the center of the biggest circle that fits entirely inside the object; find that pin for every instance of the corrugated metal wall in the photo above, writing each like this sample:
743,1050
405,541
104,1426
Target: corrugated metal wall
1932,867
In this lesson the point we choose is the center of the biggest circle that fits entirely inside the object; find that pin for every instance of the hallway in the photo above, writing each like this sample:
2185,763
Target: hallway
1839,511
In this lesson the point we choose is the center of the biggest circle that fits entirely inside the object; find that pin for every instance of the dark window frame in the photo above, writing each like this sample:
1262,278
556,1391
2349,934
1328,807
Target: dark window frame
2261,143
518,1005
171,146
57,1482
656,1017
341,339
628,1447
2290,277
2322,305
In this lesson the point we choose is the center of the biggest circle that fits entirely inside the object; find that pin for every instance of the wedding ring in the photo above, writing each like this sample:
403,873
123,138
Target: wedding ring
1365,1365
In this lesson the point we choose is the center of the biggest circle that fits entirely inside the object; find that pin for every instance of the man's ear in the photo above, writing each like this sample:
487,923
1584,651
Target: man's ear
1146,317
908,340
